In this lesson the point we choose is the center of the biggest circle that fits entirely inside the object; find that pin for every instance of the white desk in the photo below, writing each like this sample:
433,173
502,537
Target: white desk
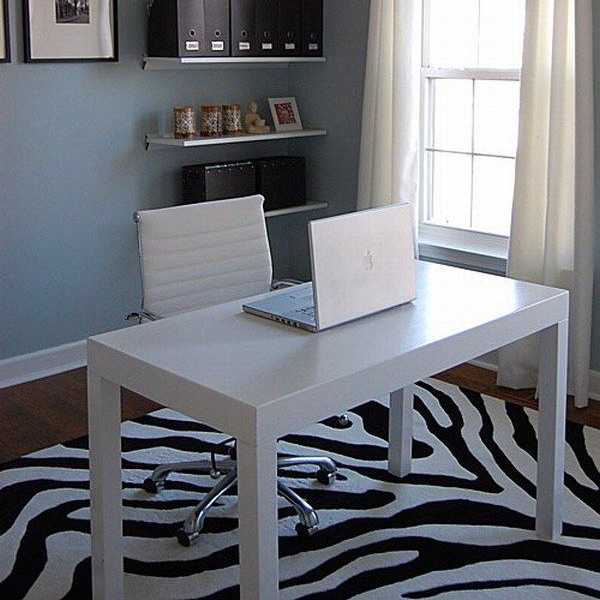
258,380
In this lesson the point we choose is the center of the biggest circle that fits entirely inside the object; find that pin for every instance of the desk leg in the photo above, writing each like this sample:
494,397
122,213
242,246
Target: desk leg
400,433
551,434
104,414
257,492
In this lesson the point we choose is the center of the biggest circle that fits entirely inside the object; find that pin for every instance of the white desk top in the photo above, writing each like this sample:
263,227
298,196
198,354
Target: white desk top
247,364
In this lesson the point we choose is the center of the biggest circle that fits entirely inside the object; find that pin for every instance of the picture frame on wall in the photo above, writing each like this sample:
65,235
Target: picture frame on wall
71,31
4,32
285,113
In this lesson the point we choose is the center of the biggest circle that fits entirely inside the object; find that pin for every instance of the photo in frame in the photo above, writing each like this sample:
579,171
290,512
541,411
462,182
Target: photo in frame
4,32
285,113
71,30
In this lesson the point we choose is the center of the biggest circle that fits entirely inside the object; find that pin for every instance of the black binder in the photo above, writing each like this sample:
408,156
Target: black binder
290,27
312,28
244,40
217,27
254,28
267,32
188,28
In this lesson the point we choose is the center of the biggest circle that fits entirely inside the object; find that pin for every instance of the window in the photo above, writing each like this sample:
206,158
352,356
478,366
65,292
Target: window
472,53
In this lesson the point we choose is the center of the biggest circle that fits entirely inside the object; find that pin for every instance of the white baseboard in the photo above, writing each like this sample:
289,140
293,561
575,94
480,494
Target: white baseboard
44,363
594,392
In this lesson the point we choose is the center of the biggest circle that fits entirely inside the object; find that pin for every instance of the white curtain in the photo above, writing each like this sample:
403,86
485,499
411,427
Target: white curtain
389,154
552,235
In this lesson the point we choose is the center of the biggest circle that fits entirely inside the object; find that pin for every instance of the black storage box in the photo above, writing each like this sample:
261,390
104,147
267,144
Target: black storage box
282,181
218,181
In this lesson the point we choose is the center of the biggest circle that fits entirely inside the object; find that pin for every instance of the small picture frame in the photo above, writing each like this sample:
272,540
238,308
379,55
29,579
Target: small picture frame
4,32
286,115
71,31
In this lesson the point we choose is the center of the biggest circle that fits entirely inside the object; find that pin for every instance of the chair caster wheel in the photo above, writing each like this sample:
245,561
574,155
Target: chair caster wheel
344,422
187,540
152,487
305,532
325,477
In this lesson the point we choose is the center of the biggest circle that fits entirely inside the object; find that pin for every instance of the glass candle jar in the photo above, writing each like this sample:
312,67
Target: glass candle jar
211,124
185,122
232,118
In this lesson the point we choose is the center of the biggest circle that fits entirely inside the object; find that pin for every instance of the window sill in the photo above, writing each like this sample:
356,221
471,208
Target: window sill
470,250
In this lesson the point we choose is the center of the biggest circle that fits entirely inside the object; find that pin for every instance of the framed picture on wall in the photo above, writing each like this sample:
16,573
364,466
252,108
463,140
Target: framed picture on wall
71,30
285,113
4,32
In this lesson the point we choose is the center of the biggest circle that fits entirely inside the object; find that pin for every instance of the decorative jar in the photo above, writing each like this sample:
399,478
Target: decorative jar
232,118
211,121
185,122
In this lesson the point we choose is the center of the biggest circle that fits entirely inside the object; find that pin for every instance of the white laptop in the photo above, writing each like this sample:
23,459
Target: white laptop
362,263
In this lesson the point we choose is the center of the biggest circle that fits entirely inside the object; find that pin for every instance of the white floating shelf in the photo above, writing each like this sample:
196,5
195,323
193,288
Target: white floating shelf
170,140
227,62
296,209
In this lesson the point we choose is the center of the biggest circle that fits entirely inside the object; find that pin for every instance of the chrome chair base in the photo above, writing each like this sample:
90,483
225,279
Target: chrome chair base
189,534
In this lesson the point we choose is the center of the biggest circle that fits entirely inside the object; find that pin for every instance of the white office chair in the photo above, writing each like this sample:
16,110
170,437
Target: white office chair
196,256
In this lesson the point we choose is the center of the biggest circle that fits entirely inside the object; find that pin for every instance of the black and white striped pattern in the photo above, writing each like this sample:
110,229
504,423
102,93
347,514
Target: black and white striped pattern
461,526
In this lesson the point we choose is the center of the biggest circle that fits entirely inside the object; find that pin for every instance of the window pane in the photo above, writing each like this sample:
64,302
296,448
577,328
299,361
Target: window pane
452,114
451,189
453,33
502,24
496,117
493,188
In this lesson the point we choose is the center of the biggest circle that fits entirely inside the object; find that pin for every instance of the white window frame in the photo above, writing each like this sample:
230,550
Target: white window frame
442,242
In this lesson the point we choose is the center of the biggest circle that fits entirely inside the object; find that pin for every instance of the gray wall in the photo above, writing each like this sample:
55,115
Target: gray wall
73,169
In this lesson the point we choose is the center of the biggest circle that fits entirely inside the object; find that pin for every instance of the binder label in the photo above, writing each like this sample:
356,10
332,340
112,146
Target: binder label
290,46
244,45
267,46
218,46
192,46
313,47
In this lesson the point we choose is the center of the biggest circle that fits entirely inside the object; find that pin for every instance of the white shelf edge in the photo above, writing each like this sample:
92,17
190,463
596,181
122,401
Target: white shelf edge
170,141
296,209
159,63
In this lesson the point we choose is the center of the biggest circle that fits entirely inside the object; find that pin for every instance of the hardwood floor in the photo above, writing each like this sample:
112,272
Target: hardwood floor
53,410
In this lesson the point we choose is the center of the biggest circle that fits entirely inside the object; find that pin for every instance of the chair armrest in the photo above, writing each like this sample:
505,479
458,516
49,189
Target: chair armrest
285,283
141,316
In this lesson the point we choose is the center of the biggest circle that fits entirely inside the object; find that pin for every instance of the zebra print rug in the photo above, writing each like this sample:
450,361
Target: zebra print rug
460,526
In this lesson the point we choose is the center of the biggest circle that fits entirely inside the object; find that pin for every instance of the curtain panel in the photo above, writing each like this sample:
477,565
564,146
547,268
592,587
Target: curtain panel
552,236
389,154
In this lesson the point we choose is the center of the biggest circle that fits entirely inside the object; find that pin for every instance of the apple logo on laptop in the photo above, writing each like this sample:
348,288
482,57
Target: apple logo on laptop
369,260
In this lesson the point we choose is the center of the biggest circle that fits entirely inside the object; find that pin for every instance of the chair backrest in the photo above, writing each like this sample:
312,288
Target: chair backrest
203,254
